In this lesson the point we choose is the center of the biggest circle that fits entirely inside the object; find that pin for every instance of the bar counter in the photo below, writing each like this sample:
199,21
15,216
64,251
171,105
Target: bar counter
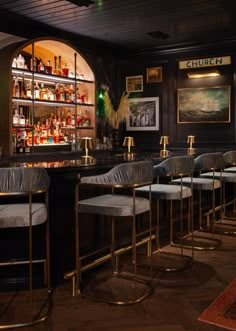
63,169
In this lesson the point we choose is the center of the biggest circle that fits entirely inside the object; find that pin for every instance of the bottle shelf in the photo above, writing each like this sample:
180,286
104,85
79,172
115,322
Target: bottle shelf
51,103
59,104
48,78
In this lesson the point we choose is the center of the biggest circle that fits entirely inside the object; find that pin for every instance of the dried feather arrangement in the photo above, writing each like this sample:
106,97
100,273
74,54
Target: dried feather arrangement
116,117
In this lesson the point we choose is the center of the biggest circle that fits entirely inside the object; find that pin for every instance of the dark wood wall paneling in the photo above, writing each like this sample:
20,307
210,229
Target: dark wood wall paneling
218,136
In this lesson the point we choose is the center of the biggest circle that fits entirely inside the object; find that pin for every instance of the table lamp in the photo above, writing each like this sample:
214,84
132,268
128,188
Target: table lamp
86,144
129,142
191,141
164,141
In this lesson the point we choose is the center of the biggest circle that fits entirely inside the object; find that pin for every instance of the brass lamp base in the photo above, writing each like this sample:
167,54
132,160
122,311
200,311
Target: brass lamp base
164,153
86,160
191,151
128,156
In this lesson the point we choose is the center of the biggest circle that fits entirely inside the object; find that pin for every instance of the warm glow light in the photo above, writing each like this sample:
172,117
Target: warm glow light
203,74
191,141
165,141
86,144
129,142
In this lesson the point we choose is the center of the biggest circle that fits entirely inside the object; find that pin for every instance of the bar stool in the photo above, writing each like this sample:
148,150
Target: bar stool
199,185
19,209
123,178
173,167
230,166
216,164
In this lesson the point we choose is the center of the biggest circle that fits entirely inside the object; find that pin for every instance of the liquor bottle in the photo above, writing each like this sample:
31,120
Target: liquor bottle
28,90
57,92
42,92
86,119
22,117
20,62
14,63
48,69
16,117
36,91
23,87
41,67
33,64
16,88
65,70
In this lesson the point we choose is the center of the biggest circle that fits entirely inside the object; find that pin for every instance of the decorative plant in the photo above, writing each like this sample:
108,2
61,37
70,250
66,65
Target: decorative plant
116,117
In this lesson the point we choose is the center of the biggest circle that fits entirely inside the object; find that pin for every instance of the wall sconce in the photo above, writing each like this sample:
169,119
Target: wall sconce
129,142
86,144
191,141
164,141
203,74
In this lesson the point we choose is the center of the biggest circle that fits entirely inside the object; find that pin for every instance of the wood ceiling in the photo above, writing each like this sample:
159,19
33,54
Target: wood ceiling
131,24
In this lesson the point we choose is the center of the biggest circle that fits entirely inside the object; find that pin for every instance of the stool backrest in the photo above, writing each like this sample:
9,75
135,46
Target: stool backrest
175,166
209,161
230,158
20,180
125,174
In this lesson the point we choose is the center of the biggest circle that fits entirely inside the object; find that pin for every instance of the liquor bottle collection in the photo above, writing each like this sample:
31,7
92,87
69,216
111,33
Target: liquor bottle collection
55,126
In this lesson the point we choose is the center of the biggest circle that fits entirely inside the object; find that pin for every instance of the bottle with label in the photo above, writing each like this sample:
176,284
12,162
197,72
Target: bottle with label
23,87
16,117
41,67
33,64
20,62
48,69
22,117
16,88
36,91
42,93
28,90
65,70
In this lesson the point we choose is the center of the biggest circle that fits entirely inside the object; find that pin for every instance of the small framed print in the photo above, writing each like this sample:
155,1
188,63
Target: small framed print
134,84
154,75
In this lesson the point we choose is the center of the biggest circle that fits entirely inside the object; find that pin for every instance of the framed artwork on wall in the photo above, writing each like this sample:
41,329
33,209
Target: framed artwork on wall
204,104
143,114
134,84
154,75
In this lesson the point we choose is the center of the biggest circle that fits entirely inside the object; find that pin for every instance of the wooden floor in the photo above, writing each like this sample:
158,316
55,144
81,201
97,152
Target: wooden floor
177,301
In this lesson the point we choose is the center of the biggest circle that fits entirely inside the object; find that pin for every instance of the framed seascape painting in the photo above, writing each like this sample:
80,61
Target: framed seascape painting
143,114
204,105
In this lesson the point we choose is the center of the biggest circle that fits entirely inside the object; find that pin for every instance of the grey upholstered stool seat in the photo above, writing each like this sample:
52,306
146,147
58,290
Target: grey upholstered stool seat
126,176
114,205
20,186
176,166
216,164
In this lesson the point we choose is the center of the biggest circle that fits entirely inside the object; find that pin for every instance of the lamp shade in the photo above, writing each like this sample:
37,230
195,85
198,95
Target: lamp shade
86,143
191,140
129,141
164,140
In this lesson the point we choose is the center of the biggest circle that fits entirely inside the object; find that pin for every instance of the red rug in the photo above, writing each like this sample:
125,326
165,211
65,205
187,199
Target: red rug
222,312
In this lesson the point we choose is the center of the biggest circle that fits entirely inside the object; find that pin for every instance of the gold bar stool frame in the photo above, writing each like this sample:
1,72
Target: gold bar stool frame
178,166
126,176
215,164
209,185
18,184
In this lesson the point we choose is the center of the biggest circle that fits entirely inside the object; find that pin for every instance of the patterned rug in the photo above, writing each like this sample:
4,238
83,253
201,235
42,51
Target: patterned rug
222,312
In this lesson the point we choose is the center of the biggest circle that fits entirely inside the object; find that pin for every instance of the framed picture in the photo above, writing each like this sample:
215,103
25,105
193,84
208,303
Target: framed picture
204,105
154,75
134,84
143,114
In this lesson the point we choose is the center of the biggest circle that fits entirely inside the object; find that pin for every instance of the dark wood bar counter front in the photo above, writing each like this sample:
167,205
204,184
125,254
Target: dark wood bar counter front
63,169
